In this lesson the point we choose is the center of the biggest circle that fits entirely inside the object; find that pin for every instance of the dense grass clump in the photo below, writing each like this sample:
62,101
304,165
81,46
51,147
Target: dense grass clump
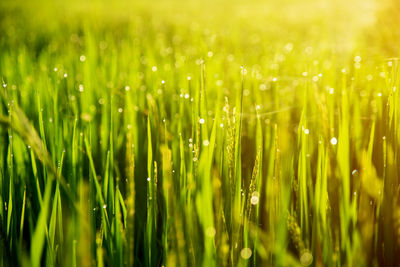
198,134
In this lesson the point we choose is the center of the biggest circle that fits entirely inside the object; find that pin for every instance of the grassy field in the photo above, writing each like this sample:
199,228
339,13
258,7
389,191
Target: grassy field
191,133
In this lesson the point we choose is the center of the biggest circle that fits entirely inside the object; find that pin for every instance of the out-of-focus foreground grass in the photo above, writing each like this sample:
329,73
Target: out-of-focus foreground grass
191,133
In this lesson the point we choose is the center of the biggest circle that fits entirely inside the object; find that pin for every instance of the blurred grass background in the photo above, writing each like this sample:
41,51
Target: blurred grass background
213,133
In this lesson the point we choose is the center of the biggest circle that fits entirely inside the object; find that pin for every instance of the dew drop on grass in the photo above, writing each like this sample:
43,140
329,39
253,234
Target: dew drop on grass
254,198
82,58
306,131
154,68
206,143
201,121
186,96
120,110
263,87
334,141
104,206
210,231
306,258
127,88
148,179
246,253
289,47
65,75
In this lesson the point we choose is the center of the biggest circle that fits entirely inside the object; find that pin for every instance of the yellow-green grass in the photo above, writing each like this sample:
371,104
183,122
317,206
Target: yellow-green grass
198,134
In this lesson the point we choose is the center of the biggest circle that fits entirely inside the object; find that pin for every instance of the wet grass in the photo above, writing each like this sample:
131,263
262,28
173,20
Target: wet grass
179,134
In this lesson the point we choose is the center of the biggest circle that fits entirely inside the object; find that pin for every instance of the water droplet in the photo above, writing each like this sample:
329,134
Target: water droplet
82,58
206,143
104,206
210,231
289,47
154,68
201,121
306,131
254,198
357,59
306,258
334,141
246,253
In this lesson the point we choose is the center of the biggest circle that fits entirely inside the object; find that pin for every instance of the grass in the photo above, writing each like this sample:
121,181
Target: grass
258,134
